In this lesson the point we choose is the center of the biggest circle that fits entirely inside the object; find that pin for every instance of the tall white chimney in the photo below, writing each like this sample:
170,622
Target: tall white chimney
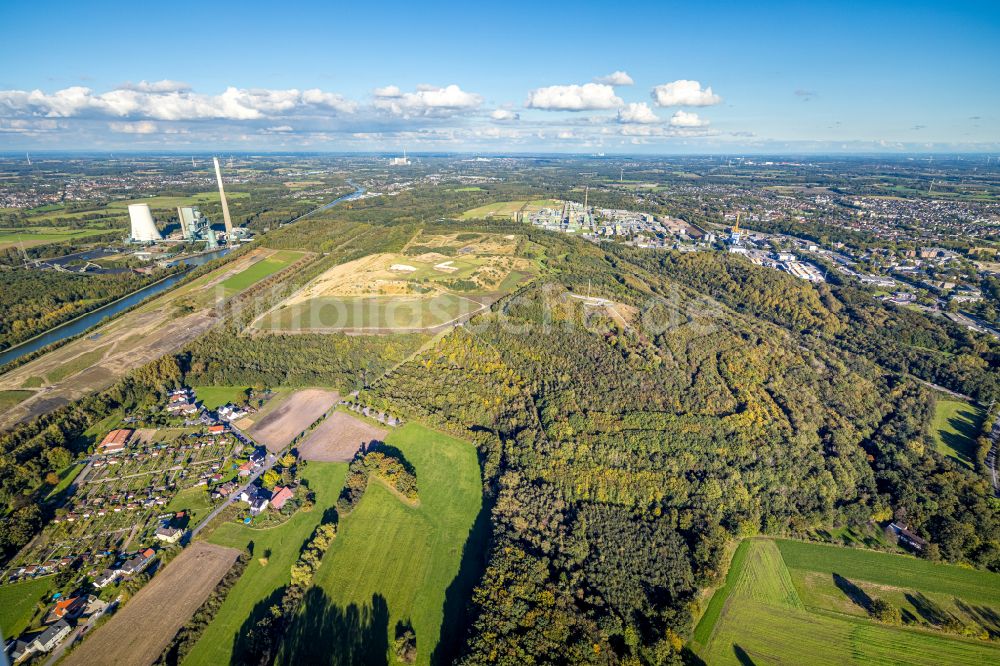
225,205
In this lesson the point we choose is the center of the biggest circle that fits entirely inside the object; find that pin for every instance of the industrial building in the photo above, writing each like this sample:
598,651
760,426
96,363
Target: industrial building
143,227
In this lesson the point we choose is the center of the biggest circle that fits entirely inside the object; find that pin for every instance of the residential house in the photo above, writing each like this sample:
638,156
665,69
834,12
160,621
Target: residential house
105,578
69,608
169,534
907,538
281,495
51,637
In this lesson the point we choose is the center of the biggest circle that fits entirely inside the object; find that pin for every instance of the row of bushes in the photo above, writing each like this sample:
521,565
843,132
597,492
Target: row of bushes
388,465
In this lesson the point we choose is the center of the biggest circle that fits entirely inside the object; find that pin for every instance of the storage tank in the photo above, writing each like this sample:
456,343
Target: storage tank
143,227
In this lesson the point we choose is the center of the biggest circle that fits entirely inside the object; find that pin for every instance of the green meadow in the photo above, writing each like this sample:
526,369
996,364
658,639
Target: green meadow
393,564
955,428
797,602
274,552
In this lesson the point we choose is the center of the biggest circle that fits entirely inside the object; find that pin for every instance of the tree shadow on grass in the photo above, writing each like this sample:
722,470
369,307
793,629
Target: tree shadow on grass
458,616
742,656
932,612
984,615
853,592
252,644
325,633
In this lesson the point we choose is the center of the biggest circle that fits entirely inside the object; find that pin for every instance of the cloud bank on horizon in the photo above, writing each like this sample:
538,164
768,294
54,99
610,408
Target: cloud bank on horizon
170,114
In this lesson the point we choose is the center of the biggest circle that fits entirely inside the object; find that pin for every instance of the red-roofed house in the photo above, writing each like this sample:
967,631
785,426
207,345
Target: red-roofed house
281,495
216,429
114,441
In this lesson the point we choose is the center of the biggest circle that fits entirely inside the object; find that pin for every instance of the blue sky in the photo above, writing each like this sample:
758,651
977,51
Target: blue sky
514,76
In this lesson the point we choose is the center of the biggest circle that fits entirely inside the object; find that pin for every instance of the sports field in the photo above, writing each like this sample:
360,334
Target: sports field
260,270
274,551
509,209
955,428
392,562
797,602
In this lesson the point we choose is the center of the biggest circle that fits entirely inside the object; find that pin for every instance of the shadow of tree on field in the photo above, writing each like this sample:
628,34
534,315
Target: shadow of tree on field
458,615
853,592
988,618
742,656
931,611
252,644
325,633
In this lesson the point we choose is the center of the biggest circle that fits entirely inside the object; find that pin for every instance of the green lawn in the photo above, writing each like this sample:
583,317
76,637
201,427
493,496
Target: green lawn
955,428
260,270
66,477
77,364
17,603
261,583
196,501
393,563
774,612
214,397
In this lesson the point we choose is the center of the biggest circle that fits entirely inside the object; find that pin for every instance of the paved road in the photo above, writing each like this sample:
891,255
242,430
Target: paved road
269,462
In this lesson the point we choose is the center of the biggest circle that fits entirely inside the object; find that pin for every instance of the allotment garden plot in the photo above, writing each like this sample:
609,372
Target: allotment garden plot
121,498
435,281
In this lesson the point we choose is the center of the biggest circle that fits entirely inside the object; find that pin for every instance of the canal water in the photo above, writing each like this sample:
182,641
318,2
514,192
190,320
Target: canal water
95,317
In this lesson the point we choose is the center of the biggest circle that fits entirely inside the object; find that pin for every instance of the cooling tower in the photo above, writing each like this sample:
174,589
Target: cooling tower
143,227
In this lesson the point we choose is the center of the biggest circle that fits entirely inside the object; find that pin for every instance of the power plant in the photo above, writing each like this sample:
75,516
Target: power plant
193,225
143,228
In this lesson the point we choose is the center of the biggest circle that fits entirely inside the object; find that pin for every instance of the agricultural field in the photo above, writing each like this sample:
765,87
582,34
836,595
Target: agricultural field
394,562
434,281
287,418
93,362
338,438
955,428
43,235
139,632
797,602
274,552
509,209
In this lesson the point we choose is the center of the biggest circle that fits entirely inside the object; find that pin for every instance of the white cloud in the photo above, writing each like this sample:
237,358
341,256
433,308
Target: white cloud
139,127
232,104
427,100
166,85
684,93
504,114
574,98
637,112
388,91
685,119
280,128
618,78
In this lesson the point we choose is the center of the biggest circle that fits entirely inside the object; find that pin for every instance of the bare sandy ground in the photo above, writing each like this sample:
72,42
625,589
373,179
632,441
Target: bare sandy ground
295,414
138,633
338,438
100,358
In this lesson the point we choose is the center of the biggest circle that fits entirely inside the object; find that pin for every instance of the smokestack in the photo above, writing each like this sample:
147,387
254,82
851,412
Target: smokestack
222,196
